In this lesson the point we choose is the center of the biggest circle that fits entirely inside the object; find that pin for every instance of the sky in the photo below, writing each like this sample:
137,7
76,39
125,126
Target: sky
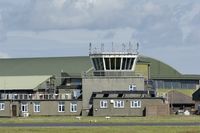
167,30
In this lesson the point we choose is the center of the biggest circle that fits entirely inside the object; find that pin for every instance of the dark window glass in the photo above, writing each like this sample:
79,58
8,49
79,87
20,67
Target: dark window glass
112,61
95,63
131,63
118,63
127,63
124,64
107,63
100,63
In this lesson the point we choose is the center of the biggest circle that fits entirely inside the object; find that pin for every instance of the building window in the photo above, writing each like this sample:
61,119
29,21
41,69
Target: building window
135,104
2,106
132,87
36,107
104,104
73,107
61,107
119,104
24,107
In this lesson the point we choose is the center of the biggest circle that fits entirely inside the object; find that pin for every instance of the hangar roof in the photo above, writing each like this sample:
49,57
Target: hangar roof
76,65
22,82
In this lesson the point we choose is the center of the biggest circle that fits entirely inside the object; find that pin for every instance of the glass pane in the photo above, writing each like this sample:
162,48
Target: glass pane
118,63
112,60
107,63
131,63
100,64
127,63
95,63
123,64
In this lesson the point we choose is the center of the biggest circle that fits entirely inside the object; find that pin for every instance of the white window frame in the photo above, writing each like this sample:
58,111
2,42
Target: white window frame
118,104
132,87
36,107
135,104
103,104
2,106
73,107
61,106
24,107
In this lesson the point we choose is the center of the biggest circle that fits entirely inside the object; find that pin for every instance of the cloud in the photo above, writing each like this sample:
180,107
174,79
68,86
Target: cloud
153,23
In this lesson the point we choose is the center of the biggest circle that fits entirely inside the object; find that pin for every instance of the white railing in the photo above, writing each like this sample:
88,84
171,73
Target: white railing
6,96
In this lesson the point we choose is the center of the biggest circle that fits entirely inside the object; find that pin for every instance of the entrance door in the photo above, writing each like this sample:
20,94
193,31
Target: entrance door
14,110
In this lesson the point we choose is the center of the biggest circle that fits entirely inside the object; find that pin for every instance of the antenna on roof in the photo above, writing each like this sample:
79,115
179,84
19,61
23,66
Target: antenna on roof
123,47
102,47
130,47
112,47
137,47
90,48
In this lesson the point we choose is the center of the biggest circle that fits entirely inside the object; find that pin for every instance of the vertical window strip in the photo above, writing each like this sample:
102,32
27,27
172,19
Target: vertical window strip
2,106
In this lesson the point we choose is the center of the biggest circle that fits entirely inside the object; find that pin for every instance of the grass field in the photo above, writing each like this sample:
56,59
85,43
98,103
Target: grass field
70,119
137,129
111,129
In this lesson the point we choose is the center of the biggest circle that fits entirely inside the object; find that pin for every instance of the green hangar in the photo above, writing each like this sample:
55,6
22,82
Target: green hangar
101,84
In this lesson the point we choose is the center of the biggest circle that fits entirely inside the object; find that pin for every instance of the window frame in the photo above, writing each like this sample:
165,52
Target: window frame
2,106
132,87
36,107
73,107
61,107
135,104
24,107
118,104
103,104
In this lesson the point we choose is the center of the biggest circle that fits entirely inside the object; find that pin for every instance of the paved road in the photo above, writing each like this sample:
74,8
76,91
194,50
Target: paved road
94,124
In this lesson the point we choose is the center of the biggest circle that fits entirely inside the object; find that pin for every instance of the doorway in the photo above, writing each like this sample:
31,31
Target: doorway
14,110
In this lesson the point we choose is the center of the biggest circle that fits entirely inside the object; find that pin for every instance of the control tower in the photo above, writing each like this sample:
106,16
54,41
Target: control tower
114,63
112,71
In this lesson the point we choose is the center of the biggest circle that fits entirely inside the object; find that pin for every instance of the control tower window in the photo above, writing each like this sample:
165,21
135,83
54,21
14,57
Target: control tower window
124,64
112,61
118,63
131,63
107,62
127,63
98,63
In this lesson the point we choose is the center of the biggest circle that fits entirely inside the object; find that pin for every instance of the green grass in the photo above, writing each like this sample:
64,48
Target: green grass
67,119
137,129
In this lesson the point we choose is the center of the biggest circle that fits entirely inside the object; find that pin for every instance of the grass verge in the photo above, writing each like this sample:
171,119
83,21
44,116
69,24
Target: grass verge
137,129
70,119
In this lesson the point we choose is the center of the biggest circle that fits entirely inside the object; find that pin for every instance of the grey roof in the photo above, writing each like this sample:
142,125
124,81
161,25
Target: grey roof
76,65
22,82
44,66
176,97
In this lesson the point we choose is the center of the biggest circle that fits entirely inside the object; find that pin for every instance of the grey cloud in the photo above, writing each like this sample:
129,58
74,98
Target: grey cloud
157,22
